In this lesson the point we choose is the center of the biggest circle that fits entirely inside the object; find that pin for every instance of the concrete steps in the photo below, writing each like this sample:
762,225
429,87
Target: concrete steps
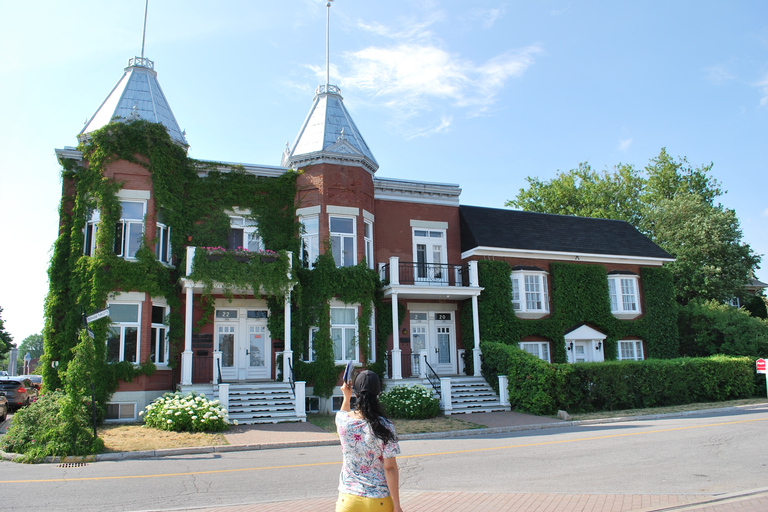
263,402
473,394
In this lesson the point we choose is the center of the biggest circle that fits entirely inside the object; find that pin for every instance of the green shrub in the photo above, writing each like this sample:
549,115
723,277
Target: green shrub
410,402
708,328
190,412
52,426
538,387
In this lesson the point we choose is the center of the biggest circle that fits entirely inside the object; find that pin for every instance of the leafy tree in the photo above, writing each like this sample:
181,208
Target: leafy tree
711,327
671,202
711,261
5,338
33,345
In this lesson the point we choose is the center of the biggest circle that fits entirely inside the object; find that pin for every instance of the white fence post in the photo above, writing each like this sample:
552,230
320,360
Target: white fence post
504,390
224,397
301,402
445,394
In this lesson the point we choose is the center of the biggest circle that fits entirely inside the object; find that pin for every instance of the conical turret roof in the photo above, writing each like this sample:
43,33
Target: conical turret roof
329,135
137,96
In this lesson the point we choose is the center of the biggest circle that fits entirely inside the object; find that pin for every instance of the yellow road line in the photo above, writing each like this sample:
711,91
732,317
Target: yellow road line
436,454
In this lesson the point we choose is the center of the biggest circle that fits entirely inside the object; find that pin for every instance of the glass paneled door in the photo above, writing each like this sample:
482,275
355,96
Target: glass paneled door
243,340
434,332
429,255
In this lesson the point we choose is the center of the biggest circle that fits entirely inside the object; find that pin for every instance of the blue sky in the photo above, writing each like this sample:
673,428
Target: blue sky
480,93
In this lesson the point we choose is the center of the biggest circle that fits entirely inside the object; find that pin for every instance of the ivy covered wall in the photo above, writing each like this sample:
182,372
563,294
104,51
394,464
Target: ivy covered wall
579,296
193,206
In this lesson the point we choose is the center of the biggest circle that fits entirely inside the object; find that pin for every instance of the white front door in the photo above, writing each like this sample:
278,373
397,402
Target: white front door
243,339
434,332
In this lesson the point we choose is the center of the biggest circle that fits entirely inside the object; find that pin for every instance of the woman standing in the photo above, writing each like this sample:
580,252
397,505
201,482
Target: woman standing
369,477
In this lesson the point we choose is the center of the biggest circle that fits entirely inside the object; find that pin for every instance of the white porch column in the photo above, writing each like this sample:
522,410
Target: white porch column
394,271
224,397
287,352
186,356
476,331
397,366
445,394
474,280
216,366
504,390
301,400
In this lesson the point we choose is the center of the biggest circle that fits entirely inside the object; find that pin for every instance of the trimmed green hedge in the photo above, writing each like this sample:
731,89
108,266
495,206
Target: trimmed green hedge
538,387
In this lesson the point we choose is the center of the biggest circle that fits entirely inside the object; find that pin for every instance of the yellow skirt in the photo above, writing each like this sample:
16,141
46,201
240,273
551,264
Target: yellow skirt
352,503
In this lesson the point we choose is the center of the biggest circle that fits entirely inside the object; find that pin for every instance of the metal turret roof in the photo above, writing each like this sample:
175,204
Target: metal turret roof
137,96
329,135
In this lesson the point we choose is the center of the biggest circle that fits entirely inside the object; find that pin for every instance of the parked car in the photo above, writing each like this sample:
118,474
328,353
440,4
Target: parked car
37,380
4,408
19,391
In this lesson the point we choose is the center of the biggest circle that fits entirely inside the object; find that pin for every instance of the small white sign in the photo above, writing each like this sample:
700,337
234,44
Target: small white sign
97,315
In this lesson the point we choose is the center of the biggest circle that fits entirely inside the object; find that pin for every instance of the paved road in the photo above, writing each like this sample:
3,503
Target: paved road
652,464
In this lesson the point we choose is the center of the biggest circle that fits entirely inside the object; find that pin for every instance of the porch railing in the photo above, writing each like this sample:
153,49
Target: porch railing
409,365
428,274
433,377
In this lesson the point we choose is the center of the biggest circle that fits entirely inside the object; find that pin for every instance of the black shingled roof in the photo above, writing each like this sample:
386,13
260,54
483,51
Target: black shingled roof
528,231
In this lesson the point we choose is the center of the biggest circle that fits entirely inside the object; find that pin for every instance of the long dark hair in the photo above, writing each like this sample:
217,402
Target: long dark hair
369,406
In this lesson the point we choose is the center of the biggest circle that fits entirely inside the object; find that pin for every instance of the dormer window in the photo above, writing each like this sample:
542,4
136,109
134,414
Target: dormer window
530,292
624,293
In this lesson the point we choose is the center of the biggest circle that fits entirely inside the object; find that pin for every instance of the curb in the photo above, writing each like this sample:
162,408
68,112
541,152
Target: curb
196,450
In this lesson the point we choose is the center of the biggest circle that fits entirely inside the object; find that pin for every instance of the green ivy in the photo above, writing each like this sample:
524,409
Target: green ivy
579,296
194,207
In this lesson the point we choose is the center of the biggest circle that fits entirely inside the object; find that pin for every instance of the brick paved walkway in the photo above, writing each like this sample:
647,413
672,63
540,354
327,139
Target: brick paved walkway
413,501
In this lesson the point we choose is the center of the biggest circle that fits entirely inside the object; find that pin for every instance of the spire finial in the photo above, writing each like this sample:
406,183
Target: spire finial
144,33
327,45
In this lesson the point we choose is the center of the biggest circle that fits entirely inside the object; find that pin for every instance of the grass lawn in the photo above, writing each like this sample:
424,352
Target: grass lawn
438,424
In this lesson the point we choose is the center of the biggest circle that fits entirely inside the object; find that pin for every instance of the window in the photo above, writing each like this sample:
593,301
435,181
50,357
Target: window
429,255
162,240
344,333
120,411
343,241
368,237
630,350
91,227
310,240
243,234
622,289
309,353
123,334
130,229
158,344
539,349
530,294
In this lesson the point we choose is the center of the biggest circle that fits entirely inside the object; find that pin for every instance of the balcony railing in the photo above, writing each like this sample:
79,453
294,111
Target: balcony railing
427,274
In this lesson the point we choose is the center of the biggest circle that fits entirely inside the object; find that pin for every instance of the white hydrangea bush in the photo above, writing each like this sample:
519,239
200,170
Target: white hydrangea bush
186,412
410,402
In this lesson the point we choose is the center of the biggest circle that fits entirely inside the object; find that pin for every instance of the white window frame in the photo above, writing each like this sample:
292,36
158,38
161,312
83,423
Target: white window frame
430,254
121,407
539,349
162,240
251,241
90,230
126,229
310,354
368,239
339,240
348,336
310,240
120,328
636,349
530,293
624,295
159,341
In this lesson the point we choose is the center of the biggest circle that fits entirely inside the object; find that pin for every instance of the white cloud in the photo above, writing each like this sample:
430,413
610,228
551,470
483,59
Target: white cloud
409,75
718,74
445,124
763,86
765,212
624,144
488,16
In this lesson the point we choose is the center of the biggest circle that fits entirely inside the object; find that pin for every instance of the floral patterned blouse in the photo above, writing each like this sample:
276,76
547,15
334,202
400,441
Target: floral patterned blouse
362,472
